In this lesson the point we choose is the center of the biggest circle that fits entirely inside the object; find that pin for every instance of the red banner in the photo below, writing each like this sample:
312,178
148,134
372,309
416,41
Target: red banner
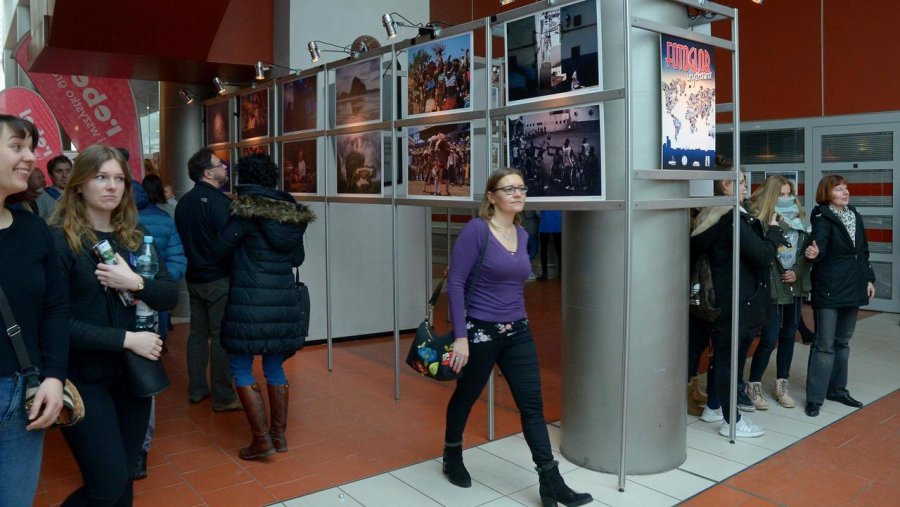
26,104
92,110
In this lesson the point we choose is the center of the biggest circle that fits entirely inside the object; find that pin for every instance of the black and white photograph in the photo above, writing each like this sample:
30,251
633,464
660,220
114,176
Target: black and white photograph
439,161
439,76
254,114
299,105
560,152
359,163
358,93
298,162
553,52
218,126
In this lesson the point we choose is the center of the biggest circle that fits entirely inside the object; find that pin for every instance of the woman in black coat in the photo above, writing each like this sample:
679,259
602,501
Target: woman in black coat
842,281
263,242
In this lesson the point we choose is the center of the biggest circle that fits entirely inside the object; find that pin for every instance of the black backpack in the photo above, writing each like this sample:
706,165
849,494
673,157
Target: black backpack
702,293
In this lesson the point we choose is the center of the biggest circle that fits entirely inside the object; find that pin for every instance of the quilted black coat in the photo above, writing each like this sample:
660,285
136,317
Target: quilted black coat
264,242
842,271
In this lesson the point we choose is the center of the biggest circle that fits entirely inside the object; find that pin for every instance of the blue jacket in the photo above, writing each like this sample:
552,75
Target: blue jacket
160,225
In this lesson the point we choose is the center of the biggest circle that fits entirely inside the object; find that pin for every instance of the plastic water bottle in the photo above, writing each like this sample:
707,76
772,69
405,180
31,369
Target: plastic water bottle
147,265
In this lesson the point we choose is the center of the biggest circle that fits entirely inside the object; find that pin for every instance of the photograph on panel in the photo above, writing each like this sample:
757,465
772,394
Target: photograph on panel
559,152
553,52
299,105
359,163
224,156
358,93
298,161
439,161
256,149
688,74
254,114
217,122
439,76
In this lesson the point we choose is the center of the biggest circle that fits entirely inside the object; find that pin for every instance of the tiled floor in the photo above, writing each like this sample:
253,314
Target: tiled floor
351,443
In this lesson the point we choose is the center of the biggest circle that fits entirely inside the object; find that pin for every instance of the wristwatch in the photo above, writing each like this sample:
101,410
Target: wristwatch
140,285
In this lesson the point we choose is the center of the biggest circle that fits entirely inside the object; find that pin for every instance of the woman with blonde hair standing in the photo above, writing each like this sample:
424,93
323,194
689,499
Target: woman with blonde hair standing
98,205
789,285
491,328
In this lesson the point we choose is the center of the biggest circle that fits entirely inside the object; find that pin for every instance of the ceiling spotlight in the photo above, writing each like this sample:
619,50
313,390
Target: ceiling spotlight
758,2
220,86
507,2
187,95
261,71
390,25
262,67
315,53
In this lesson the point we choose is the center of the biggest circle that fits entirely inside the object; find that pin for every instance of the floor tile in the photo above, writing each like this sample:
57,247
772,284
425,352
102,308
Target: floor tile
716,444
246,494
333,497
427,478
709,465
496,473
387,491
675,483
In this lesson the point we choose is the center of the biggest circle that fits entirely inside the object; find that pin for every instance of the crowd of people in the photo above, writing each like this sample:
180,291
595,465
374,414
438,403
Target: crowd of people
556,169
440,83
441,161
785,257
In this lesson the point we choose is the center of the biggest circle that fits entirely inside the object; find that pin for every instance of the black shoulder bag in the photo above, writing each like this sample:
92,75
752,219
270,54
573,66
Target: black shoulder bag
429,353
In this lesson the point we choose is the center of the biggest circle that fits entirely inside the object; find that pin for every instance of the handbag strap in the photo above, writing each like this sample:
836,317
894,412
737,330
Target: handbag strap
15,336
437,290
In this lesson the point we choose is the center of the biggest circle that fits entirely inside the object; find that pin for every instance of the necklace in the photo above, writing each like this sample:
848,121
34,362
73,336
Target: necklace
508,236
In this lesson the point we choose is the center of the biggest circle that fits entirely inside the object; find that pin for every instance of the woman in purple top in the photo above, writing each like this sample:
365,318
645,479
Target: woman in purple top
493,330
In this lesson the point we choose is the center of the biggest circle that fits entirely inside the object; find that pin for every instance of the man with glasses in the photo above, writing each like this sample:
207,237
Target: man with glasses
200,216
58,168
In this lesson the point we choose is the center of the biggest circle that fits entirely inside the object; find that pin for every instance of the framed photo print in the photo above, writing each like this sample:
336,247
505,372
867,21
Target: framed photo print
439,76
254,114
264,149
298,162
358,93
359,163
299,104
438,161
560,152
553,52
218,122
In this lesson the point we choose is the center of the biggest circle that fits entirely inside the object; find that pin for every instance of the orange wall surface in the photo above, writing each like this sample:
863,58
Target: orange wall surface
786,47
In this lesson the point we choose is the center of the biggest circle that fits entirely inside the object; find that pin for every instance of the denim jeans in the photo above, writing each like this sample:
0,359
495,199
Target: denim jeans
20,450
203,346
510,346
242,369
829,355
780,328
720,387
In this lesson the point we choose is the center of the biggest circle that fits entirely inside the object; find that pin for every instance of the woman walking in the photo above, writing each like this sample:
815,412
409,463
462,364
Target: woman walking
35,290
98,205
263,242
842,281
493,330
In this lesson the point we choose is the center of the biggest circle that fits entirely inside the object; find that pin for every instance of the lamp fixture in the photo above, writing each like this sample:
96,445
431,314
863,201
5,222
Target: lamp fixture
506,2
263,67
220,85
187,95
315,53
390,25
758,2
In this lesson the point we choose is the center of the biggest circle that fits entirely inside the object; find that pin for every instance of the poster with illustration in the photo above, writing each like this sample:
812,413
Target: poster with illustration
553,52
688,74
298,162
439,76
359,163
254,114
357,93
299,104
218,126
438,161
560,152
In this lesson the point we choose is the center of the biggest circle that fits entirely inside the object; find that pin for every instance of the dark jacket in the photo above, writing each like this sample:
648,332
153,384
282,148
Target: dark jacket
713,234
160,225
200,217
783,293
99,319
841,271
263,242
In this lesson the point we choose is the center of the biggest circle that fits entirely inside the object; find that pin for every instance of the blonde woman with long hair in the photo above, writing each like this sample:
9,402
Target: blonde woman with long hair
98,205
789,285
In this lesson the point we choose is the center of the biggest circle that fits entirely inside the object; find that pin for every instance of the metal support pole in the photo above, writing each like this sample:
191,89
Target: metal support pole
395,243
489,136
328,331
736,237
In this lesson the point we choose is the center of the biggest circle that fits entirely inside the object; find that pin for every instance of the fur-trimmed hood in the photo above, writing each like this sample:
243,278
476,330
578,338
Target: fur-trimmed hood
280,218
709,217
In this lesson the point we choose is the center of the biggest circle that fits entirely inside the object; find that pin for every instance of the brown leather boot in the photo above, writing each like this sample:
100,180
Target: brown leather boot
278,408
255,410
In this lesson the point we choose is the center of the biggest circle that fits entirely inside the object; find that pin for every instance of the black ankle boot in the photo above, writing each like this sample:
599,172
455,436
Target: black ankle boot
454,468
553,488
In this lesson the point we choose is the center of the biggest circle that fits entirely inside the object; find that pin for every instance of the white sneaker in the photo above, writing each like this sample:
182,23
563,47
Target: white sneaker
532,277
743,429
710,415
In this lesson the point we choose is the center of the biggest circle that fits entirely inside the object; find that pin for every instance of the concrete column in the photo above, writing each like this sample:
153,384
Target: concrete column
181,133
594,283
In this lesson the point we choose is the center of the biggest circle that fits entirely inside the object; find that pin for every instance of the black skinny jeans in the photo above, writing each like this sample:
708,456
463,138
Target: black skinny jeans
107,442
510,346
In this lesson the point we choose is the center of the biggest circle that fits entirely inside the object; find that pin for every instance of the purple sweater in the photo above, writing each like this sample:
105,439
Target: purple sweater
499,292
